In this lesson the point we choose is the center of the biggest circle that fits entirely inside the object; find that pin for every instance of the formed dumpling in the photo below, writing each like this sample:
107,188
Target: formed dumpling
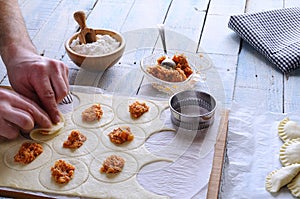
281,177
288,129
290,152
43,134
294,186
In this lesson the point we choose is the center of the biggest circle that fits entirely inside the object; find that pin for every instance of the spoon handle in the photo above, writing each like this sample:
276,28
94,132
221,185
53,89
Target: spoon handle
161,30
79,16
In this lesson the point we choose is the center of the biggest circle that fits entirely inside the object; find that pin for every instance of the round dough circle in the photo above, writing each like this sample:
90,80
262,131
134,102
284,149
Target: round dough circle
130,167
124,114
138,140
40,160
80,176
107,117
88,146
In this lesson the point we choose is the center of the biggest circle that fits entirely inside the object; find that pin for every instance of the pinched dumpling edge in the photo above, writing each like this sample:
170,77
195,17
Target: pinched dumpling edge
284,133
294,186
281,177
285,160
36,134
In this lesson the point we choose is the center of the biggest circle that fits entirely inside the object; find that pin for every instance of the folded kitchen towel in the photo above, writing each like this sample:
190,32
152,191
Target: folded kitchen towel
274,33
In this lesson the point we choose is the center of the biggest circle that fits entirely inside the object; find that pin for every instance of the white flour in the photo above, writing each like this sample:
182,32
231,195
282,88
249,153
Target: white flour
104,45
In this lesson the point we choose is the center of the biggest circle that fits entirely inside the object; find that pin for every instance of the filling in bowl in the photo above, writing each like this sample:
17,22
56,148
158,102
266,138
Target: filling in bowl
180,73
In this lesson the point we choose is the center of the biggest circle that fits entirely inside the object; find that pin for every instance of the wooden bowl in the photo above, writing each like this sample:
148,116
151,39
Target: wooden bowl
97,62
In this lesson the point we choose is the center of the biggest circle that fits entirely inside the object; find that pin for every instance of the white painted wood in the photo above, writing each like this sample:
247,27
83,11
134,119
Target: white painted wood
226,66
291,3
61,25
291,84
240,72
109,14
257,81
146,14
187,18
257,6
217,38
135,23
226,7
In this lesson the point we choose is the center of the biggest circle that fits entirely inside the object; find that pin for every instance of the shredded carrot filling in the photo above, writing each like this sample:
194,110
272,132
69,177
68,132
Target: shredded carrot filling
137,109
121,135
62,172
181,72
75,140
28,152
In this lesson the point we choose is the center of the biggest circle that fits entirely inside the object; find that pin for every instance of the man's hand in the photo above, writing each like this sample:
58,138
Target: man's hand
41,79
19,113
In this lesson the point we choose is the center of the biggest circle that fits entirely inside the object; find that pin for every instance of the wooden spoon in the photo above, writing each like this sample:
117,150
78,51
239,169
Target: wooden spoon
86,35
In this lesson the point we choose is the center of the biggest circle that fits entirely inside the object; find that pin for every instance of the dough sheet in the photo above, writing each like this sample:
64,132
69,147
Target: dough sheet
145,164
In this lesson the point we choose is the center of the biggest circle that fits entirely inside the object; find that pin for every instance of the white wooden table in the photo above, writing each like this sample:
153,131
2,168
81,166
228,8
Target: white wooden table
246,76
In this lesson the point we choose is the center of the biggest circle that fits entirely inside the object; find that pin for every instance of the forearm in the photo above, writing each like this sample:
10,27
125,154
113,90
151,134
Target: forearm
13,34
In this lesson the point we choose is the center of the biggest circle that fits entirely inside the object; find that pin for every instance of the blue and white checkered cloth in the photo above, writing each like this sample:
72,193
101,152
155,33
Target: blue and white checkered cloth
274,33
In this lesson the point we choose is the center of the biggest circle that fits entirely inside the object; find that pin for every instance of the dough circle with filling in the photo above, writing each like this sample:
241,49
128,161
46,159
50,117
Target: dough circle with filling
130,167
88,146
107,117
40,160
80,176
138,140
124,114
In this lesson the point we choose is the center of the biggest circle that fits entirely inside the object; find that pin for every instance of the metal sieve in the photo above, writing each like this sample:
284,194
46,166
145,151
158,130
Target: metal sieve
192,109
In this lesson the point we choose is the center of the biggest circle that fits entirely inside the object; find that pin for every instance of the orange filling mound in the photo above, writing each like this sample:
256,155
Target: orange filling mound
92,113
62,172
112,164
180,73
75,140
121,135
28,152
137,109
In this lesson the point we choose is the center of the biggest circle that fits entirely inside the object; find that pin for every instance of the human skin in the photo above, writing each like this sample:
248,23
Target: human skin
40,82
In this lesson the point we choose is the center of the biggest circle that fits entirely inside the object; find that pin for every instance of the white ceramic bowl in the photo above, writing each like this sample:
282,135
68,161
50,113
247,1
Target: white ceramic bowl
97,62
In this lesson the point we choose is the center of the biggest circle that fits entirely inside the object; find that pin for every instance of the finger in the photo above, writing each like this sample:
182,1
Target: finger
2,138
60,88
20,118
65,75
47,97
24,111
9,131
14,104
30,94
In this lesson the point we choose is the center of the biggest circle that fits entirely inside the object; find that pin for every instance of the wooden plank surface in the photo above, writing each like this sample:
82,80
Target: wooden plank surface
246,77
291,82
189,18
220,152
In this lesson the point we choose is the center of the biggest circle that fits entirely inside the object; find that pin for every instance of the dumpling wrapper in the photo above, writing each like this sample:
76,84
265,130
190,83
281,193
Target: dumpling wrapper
288,129
108,116
281,177
43,134
290,152
294,186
